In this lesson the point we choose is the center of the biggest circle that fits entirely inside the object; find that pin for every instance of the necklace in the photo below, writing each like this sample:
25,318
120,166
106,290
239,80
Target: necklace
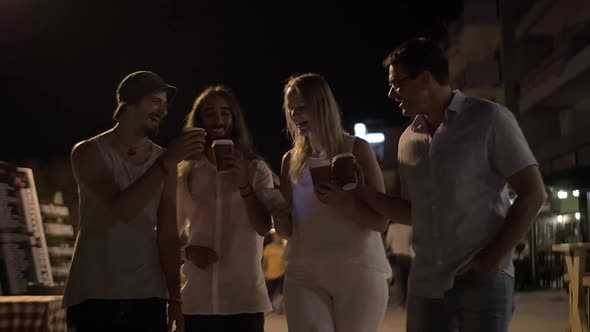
132,151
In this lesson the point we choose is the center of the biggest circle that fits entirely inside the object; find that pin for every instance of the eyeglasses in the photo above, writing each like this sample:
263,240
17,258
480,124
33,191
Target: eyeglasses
396,85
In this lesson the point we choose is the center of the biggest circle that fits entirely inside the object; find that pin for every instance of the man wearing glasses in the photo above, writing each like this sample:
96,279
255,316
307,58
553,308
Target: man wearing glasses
456,160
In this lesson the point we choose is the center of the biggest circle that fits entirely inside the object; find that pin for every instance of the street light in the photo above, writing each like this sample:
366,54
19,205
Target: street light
360,130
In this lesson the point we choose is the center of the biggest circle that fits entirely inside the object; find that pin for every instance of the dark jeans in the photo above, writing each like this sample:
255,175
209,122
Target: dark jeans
149,315
275,286
224,323
401,272
482,303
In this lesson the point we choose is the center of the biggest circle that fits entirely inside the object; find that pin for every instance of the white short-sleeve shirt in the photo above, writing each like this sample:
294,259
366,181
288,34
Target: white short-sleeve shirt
456,182
216,217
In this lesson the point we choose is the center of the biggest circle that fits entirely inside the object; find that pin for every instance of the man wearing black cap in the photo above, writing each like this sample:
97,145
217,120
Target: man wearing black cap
125,269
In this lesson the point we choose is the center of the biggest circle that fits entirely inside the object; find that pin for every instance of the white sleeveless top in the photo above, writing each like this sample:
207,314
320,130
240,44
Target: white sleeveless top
115,259
326,234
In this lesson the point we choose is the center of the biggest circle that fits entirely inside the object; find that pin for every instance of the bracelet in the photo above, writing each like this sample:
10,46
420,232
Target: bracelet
245,187
160,163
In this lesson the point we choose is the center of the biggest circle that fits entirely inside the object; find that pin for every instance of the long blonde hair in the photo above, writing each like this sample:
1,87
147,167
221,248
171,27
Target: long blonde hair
325,120
239,134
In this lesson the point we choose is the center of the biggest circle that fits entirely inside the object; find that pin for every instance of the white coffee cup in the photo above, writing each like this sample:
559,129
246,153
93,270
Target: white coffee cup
222,148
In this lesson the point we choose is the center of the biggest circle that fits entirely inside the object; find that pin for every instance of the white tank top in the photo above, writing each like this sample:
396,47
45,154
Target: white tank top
115,259
326,234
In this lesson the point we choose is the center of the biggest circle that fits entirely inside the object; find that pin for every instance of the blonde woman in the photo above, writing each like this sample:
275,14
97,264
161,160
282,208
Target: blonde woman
336,278
224,288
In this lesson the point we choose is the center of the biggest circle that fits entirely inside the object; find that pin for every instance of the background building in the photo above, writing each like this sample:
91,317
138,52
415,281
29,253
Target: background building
534,57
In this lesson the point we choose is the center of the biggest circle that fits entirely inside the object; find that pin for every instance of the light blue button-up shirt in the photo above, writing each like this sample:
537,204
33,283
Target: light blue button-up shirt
456,182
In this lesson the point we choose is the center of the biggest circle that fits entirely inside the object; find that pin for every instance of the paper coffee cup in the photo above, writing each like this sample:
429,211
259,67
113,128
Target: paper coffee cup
197,156
222,149
320,169
185,130
344,171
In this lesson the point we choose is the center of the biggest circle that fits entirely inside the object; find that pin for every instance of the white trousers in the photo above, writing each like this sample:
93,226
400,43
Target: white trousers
334,298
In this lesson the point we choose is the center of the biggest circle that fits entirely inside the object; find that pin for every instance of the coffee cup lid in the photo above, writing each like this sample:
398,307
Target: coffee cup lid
193,129
349,186
223,142
343,155
186,130
319,162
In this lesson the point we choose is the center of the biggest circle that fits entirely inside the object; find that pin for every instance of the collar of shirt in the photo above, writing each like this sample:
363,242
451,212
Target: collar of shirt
456,104
455,107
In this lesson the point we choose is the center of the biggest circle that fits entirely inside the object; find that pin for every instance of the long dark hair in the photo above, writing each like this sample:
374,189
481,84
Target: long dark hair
240,134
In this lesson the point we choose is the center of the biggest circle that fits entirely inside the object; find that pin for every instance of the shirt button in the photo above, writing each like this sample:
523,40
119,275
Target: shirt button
439,262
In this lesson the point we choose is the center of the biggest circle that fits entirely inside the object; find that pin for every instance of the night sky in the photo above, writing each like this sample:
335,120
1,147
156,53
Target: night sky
62,61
